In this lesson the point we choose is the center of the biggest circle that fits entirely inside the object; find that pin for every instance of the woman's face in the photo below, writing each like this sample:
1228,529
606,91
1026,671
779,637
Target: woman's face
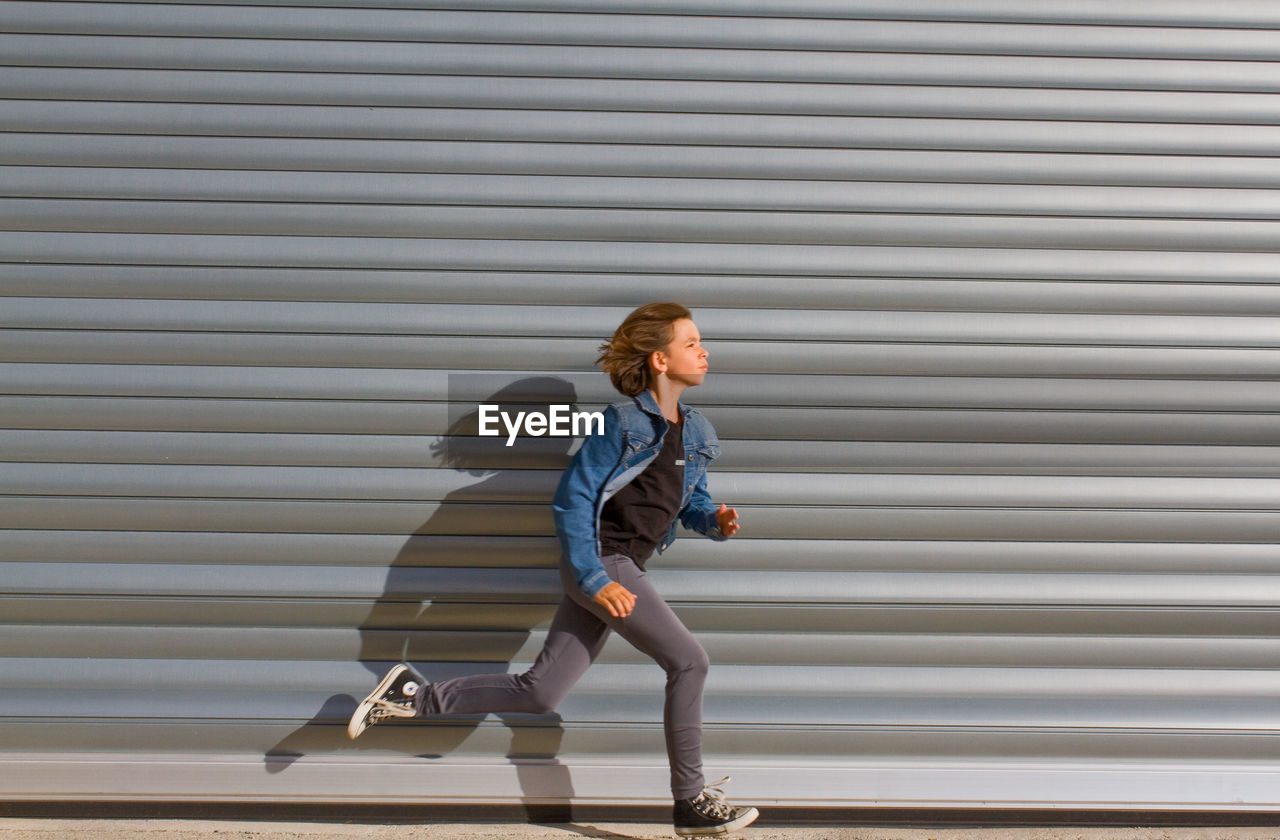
685,358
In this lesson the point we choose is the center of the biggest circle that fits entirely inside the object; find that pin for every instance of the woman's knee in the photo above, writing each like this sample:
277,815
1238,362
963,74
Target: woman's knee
541,696
703,662
693,659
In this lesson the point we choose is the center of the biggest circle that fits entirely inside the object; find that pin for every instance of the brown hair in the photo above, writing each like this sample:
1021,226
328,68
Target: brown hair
626,357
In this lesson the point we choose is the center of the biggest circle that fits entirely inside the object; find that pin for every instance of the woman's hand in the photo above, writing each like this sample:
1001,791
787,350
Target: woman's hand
727,519
616,599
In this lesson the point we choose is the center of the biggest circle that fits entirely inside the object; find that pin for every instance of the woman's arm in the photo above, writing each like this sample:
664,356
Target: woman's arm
703,516
574,505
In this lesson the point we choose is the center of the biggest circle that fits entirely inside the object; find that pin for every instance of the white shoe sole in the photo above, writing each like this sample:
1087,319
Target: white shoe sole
748,817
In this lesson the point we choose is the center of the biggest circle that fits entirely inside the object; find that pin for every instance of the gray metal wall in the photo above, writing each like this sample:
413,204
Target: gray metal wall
990,294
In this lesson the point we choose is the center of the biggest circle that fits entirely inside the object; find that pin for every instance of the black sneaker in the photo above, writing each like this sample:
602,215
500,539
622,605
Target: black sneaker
709,813
392,698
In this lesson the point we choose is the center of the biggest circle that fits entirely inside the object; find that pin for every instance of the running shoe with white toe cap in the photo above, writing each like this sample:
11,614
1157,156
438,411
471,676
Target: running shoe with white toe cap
393,698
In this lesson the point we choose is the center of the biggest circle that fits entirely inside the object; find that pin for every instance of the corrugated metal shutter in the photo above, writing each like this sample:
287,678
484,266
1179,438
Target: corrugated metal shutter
989,289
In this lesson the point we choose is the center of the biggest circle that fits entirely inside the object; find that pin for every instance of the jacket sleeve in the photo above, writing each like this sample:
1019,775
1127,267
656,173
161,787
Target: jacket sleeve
699,515
575,501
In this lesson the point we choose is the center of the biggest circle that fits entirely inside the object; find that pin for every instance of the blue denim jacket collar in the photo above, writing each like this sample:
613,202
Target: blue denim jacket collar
647,401
696,433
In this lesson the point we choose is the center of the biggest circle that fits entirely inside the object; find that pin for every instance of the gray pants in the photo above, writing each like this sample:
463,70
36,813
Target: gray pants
577,634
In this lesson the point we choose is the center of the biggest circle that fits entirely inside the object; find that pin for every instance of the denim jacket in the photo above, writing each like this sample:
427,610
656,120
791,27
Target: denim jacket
605,463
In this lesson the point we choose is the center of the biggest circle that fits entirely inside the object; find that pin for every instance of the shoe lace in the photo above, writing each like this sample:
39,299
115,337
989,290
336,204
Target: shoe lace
384,709
712,802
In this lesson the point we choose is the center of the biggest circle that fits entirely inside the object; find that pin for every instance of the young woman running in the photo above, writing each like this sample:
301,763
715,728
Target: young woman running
620,499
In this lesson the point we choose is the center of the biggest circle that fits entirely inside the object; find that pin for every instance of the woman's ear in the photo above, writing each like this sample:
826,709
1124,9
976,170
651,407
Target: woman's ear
658,361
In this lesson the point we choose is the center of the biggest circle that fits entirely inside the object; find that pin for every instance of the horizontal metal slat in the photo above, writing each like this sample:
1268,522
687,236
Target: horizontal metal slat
382,189
993,426
136,744
574,742
276,415
1031,556
266,516
596,700
768,522
1109,427
763,422
410,451
540,585
411,584
593,391
536,737
1093,12
638,257
346,160
197,610
1003,778
353,351
392,551
743,488
241,132
628,225
735,694
1000,458
334,286
1080,783
497,353
357,550
631,683
761,648
773,65
556,323
1074,620
276,746
229,87
361,484
772,32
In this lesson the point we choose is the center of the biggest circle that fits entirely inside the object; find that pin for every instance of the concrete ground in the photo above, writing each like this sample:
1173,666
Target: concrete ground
168,829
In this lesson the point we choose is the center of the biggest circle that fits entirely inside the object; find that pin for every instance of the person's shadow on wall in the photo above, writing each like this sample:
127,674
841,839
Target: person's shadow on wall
411,622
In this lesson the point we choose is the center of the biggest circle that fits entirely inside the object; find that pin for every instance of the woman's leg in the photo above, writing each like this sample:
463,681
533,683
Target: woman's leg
656,631
573,642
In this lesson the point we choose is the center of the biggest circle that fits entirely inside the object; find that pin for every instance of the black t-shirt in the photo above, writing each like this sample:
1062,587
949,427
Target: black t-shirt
636,518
